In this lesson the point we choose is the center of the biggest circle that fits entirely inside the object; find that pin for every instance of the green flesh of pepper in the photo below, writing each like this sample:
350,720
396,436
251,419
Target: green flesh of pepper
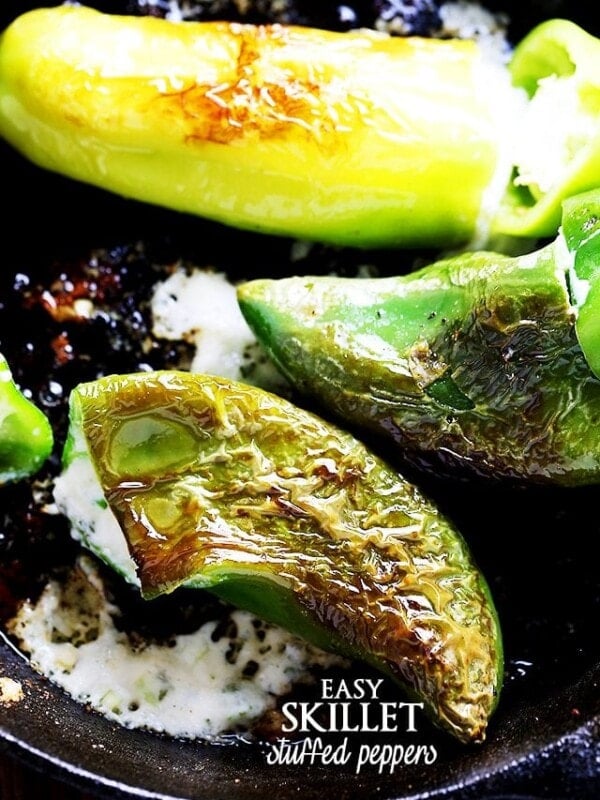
581,229
557,50
225,487
25,434
472,364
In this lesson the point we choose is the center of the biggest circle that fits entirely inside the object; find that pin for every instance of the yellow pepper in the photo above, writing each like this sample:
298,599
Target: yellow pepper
356,139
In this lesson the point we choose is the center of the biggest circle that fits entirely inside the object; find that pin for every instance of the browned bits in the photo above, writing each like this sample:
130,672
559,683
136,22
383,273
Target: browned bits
250,103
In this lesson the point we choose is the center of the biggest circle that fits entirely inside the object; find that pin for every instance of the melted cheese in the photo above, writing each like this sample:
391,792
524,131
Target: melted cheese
192,686
200,307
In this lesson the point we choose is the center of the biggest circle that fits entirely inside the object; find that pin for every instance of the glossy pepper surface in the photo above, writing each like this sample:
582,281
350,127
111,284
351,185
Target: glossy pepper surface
471,365
356,139
26,437
581,231
223,486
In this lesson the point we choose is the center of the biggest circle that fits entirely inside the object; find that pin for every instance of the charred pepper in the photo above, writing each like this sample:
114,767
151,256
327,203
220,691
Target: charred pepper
477,364
222,486
356,139
26,437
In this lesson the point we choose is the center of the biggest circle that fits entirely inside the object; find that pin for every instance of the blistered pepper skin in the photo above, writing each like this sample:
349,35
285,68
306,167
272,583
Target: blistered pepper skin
471,366
26,438
355,139
223,486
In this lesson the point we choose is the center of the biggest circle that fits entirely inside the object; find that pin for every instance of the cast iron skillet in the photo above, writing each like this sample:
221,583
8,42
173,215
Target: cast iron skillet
533,545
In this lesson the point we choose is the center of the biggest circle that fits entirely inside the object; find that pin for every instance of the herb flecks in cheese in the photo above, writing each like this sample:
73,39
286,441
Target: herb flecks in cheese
190,687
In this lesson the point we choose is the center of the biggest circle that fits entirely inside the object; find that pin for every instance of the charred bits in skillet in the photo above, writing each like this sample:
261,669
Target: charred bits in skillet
60,324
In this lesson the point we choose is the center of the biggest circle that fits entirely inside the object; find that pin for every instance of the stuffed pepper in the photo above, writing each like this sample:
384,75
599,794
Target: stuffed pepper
359,139
480,364
218,485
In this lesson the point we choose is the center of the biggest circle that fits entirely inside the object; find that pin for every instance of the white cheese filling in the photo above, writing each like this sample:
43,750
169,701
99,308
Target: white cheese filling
200,307
506,109
79,496
188,689
554,129
193,687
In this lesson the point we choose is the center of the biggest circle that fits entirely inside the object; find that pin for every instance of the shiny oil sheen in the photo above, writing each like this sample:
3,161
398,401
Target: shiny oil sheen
283,514
470,366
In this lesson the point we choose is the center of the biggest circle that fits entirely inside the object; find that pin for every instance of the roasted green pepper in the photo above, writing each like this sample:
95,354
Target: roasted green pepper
471,365
356,139
25,434
223,486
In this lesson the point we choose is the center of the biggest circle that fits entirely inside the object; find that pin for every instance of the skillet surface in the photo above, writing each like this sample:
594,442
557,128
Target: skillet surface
533,546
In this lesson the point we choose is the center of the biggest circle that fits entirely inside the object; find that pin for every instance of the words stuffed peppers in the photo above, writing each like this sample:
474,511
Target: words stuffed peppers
222,486
478,364
356,139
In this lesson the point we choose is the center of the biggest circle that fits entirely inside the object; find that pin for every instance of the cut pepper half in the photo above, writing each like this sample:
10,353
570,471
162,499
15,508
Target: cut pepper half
558,143
222,486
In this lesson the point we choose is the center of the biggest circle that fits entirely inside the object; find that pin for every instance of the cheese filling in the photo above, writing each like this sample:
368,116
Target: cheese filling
216,680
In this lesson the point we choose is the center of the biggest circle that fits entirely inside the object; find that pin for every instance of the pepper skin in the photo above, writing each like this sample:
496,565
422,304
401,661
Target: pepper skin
25,434
581,229
471,365
222,486
354,139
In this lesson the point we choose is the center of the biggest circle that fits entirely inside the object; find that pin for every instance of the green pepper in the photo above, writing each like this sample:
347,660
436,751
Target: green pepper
355,139
470,365
284,130
25,434
222,486
558,65
581,229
